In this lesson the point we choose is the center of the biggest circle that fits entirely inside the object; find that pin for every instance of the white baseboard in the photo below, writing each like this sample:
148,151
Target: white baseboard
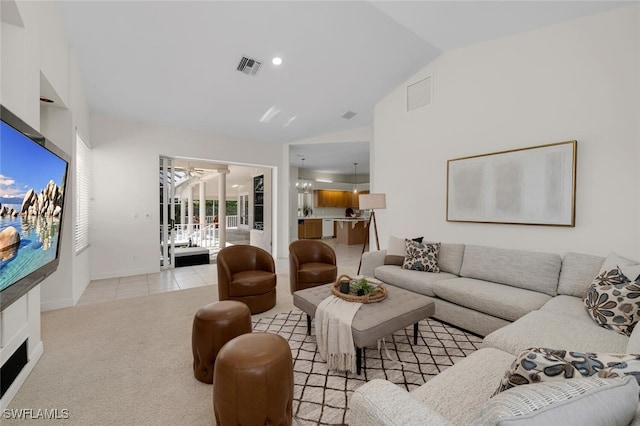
124,273
56,304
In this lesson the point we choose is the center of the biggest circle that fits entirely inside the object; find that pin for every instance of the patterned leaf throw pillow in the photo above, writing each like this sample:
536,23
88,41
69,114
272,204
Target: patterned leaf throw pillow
421,257
613,301
542,365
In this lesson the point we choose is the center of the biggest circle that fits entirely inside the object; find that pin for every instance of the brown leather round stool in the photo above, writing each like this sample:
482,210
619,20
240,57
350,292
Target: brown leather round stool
213,326
253,381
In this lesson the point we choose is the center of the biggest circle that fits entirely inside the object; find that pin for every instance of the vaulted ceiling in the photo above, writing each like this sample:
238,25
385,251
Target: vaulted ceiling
175,62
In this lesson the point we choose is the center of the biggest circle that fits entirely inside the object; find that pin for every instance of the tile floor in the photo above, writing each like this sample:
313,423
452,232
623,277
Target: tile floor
195,276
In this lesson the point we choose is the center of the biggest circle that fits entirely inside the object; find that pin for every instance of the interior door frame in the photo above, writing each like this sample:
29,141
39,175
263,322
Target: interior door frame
169,214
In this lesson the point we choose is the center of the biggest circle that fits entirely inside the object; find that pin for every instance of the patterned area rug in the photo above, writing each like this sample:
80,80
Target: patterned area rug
321,397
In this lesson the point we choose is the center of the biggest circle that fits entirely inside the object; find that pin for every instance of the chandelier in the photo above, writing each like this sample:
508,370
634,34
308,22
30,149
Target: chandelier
302,184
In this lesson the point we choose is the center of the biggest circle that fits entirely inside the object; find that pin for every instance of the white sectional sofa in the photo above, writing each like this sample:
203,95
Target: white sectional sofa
516,299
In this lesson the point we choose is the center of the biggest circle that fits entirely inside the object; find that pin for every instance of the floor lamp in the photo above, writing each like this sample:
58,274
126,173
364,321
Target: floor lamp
371,202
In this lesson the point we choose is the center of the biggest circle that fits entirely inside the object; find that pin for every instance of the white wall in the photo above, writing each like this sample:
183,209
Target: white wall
125,224
578,80
19,88
20,62
36,54
80,123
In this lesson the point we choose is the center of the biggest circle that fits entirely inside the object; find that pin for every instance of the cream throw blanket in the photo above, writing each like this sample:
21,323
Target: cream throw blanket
333,333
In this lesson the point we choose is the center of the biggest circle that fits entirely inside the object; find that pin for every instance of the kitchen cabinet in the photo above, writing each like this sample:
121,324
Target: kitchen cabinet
325,198
309,228
356,200
328,198
352,231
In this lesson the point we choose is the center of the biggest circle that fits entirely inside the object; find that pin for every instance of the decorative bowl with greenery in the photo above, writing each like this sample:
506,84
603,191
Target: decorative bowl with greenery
361,287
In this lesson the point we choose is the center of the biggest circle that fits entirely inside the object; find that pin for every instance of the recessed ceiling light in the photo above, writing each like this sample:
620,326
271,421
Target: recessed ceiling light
235,186
276,61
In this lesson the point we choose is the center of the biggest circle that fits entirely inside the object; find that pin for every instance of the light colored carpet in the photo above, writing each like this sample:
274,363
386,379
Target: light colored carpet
125,362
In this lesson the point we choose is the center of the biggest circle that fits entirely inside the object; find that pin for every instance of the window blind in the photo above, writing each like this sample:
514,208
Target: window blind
84,172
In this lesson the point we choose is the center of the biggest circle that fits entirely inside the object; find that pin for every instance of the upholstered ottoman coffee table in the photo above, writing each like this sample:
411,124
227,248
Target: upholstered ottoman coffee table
373,321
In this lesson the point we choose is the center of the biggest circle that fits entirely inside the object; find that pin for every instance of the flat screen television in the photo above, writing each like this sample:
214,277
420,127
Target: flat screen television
33,179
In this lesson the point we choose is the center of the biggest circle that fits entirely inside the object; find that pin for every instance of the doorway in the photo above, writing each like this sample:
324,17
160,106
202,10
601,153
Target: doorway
207,205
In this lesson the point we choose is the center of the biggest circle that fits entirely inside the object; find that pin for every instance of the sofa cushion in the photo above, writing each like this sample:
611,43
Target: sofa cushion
570,402
317,273
416,281
421,257
449,392
550,330
518,268
577,273
567,305
498,300
382,403
450,257
251,283
542,365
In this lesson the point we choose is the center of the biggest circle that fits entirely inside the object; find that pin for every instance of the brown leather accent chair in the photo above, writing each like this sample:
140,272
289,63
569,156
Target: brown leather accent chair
213,326
247,274
253,381
311,263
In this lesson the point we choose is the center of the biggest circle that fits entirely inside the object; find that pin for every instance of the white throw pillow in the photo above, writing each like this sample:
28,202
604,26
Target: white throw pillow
630,271
613,260
396,246
396,250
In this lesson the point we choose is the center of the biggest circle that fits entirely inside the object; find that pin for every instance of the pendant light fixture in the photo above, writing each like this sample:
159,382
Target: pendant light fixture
302,183
355,189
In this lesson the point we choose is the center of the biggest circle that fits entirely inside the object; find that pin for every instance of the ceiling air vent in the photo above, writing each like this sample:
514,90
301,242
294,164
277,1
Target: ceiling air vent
348,115
249,66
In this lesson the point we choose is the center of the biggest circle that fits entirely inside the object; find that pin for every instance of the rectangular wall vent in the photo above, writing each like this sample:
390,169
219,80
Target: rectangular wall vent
249,66
419,94
348,115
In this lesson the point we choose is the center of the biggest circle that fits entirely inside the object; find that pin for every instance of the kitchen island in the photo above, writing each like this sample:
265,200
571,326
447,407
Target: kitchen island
351,231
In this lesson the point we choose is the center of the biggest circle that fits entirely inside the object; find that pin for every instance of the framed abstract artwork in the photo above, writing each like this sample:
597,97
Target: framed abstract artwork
527,186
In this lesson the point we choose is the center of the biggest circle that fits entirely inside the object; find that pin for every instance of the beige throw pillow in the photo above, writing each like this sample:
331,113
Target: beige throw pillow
396,250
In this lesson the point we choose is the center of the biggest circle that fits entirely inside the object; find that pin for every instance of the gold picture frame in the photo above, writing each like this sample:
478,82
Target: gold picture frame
526,186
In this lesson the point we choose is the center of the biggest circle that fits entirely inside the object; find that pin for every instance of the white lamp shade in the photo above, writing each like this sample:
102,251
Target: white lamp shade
372,201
